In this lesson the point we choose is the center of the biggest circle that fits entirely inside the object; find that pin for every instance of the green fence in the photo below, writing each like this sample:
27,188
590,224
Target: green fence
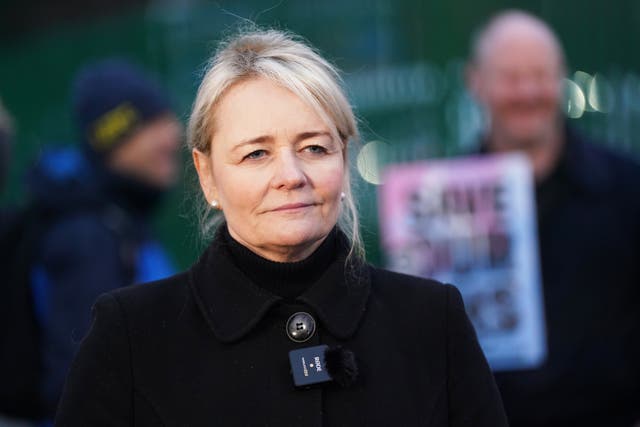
403,64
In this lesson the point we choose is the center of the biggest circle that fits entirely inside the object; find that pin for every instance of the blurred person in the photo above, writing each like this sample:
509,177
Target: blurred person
94,206
588,208
6,143
15,404
6,137
270,132
19,331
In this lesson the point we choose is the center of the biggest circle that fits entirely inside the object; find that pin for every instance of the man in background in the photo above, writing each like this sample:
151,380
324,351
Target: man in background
95,206
588,208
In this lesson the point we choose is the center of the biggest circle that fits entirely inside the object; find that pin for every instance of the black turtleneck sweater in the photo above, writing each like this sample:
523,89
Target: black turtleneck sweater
285,279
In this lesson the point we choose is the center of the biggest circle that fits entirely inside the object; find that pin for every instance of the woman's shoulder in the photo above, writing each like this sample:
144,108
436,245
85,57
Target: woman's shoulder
401,282
406,290
161,294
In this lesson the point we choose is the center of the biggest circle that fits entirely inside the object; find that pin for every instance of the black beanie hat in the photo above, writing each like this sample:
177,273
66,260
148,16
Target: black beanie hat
111,100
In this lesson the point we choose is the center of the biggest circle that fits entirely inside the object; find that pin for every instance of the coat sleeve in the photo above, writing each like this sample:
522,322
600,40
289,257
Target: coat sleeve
474,399
99,389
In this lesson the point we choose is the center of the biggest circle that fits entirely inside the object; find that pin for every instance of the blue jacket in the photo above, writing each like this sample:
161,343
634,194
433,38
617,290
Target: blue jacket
97,240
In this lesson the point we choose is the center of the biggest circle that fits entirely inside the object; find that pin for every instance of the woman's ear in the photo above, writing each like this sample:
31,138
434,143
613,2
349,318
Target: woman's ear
202,163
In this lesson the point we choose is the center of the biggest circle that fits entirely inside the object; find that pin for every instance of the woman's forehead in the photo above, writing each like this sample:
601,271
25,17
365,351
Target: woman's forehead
262,108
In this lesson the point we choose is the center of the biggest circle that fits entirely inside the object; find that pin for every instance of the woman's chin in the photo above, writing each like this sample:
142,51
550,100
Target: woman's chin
297,238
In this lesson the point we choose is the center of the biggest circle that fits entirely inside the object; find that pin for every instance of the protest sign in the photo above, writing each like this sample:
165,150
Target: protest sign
471,222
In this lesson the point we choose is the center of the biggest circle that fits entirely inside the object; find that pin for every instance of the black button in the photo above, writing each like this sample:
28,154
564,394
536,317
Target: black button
300,327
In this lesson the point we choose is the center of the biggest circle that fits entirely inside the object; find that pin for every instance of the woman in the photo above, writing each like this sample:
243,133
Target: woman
216,345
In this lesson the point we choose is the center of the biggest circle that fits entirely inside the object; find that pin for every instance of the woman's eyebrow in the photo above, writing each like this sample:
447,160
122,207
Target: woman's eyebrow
312,134
256,140
267,138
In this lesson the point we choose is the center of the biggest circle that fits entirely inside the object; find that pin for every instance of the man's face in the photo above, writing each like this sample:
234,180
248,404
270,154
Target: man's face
151,153
517,78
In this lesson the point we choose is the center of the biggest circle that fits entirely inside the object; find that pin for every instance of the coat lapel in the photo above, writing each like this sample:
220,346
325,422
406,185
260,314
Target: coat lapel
233,305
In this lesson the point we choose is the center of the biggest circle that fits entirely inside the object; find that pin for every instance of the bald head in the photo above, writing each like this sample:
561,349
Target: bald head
511,27
515,74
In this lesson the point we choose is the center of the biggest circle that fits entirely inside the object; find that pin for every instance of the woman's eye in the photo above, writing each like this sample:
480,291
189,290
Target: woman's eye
316,149
254,155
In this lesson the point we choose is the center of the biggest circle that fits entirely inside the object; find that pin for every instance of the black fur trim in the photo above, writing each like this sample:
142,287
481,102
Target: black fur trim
341,365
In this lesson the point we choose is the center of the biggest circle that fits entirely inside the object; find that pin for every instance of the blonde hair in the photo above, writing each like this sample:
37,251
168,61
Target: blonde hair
287,60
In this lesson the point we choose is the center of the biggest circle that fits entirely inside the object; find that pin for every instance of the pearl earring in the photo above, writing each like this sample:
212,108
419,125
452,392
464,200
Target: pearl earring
342,196
215,204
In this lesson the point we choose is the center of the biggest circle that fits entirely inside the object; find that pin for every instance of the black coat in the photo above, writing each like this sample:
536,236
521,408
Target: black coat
208,347
589,228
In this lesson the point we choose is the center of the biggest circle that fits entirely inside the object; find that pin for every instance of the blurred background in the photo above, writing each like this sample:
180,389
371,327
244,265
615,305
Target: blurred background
403,63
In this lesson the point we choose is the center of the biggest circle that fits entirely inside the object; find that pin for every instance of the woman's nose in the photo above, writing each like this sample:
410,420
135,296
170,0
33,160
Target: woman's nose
288,173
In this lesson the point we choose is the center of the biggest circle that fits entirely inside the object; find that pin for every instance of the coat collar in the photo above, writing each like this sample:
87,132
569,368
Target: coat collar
233,305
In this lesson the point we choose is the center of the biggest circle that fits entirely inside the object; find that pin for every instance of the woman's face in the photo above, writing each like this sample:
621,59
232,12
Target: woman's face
275,170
